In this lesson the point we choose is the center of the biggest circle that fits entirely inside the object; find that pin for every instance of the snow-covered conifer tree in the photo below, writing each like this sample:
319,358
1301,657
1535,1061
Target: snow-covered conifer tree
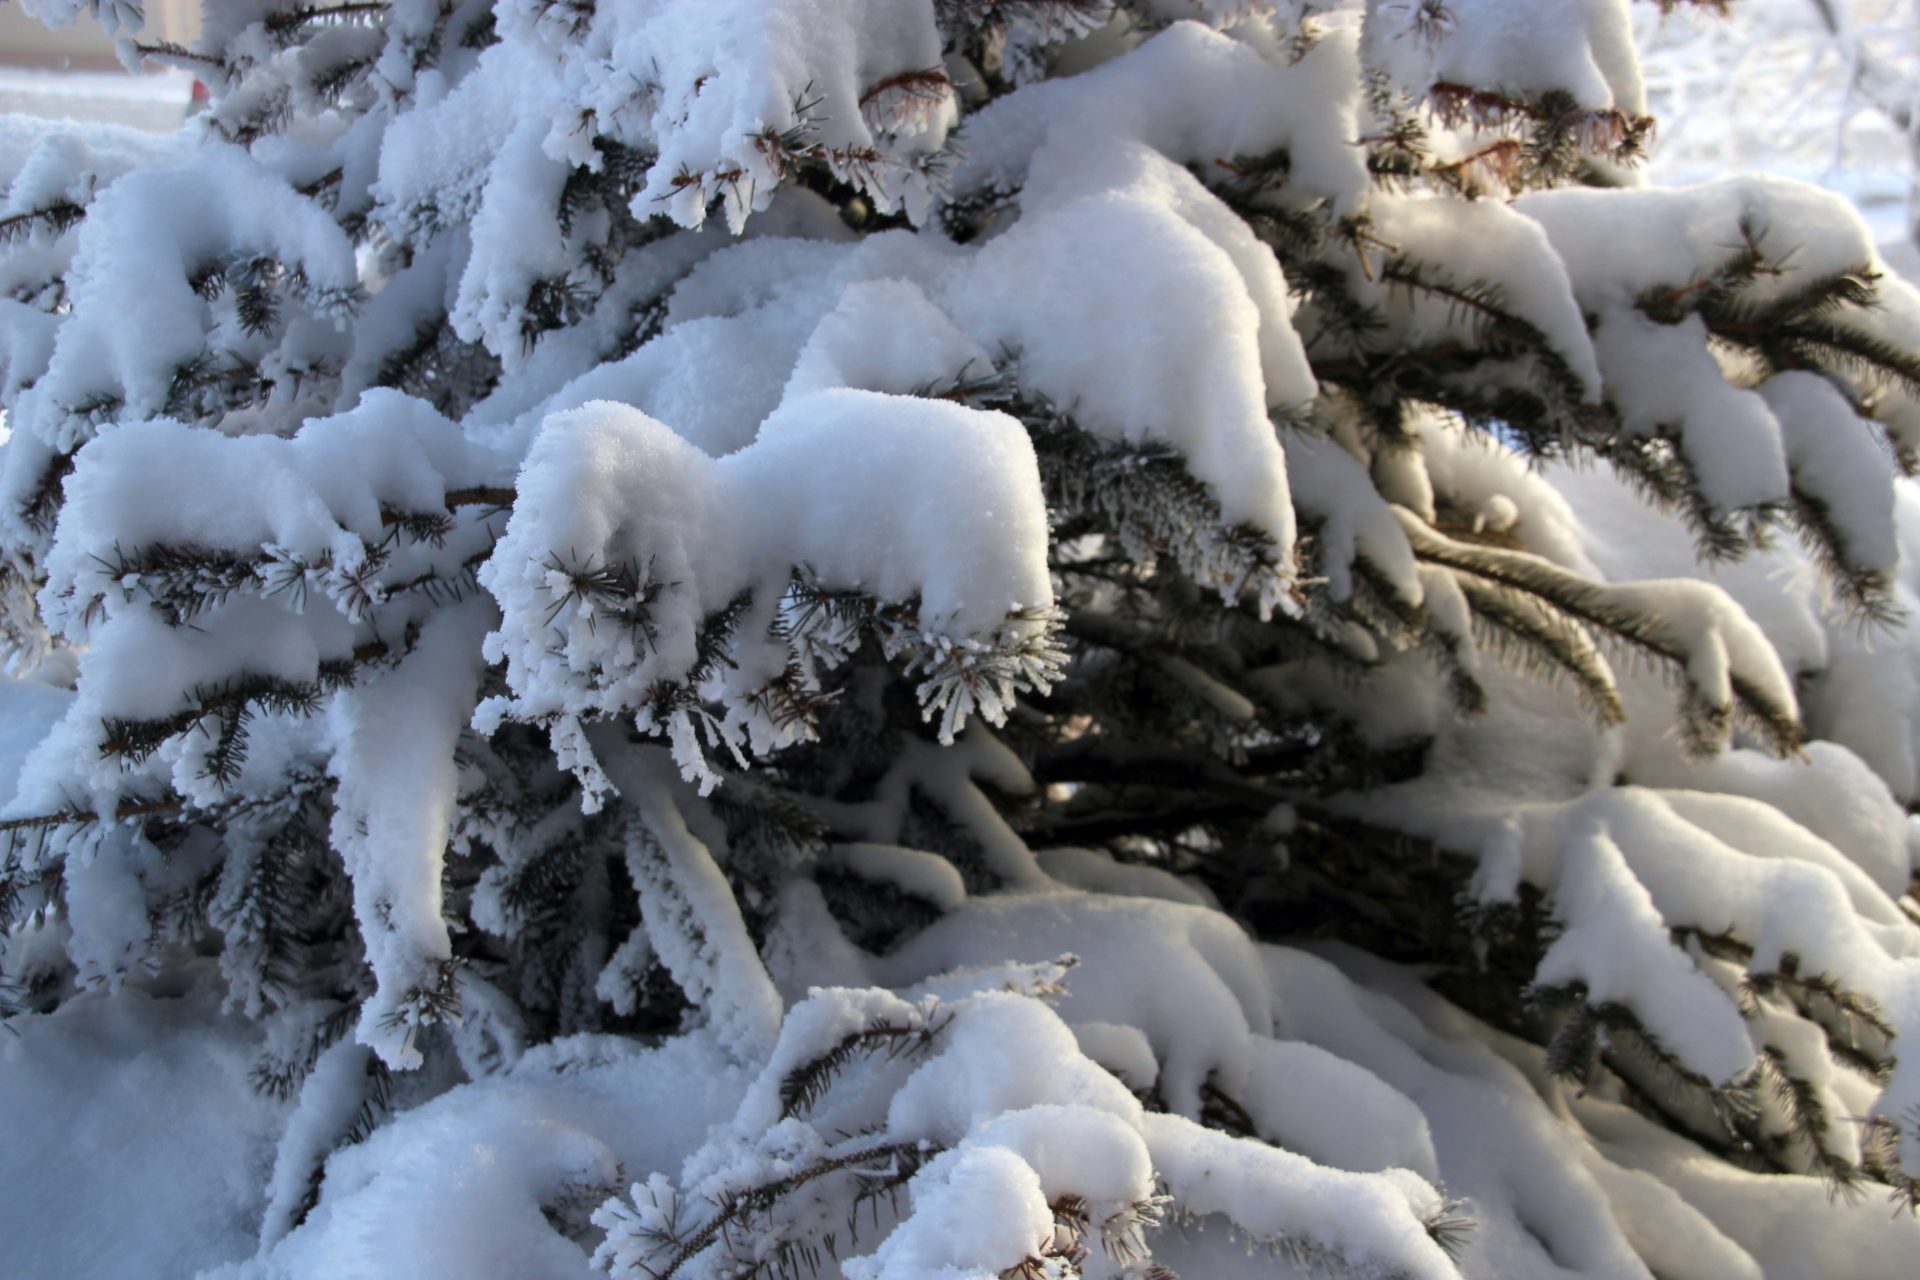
969,638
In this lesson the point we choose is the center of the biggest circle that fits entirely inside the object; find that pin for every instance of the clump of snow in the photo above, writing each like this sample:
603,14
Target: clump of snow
76,1085
1584,48
136,318
945,514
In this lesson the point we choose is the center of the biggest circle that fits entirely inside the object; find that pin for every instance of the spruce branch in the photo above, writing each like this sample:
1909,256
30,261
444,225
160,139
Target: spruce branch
1590,605
1542,641
669,1247
1880,1141
230,702
904,98
1808,1121
280,1075
1555,122
56,216
910,1037
287,26
126,811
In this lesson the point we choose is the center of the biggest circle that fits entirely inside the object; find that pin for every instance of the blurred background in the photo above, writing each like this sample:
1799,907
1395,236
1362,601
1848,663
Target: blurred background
73,73
1827,91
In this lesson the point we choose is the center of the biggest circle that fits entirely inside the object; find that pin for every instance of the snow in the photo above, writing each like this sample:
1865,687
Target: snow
1584,47
1354,522
329,1099
941,508
980,1184
1095,340
315,500
516,241
45,160
1192,95
28,710
1687,232
136,319
1099,872
1667,378
394,812
1555,1199
884,335
1205,997
1486,242
465,1184
691,916
1831,791
1377,1127
782,478
1614,942
731,75
1773,1216
434,160
913,871
78,1085
1837,465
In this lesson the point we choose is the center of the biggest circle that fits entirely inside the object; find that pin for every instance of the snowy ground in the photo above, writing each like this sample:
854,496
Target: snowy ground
157,101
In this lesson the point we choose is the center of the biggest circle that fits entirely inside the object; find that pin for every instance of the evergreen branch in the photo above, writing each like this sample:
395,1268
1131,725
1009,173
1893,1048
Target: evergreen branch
539,882
1627,1034
1589,603
1555,113
285,26
1868,592
1146,497
1543,640
279,1076
126,811
737,1207
439,367
42,508
1837,345
1056,20
1148,821
169,51
1807,1119
761,816
58,216
1112,766
802,1088
1717,288
1498,328
962,677
134,738
1221,1110
1573,1050
1846,1018
435,1000
376,1101
181,580
893,100
1824,296
1659,473
1880,1157
268,904
1500,159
